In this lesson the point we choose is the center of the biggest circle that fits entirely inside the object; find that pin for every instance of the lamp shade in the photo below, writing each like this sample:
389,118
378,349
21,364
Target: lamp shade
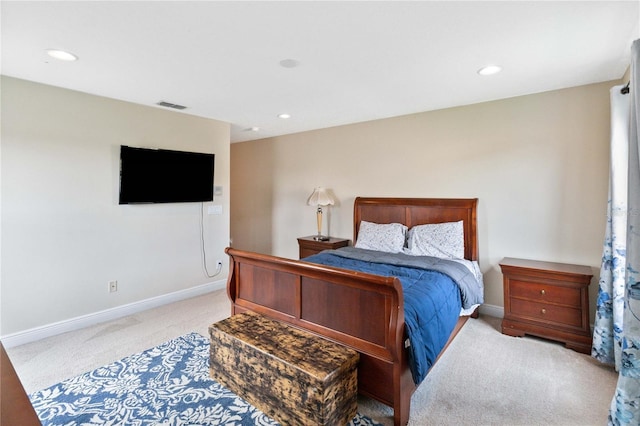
320,197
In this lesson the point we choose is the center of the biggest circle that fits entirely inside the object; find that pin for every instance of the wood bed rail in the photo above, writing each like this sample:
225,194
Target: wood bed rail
344,306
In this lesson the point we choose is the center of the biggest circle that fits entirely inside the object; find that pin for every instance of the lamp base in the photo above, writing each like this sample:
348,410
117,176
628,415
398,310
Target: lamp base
320,238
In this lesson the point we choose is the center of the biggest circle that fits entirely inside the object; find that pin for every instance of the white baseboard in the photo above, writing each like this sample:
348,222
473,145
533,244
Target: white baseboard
492,310
38,333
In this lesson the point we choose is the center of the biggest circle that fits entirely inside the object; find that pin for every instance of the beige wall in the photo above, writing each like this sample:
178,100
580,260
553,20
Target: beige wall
538,164
64,236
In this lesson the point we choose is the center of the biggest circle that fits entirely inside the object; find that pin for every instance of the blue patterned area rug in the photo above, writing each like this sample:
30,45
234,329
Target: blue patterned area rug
165,385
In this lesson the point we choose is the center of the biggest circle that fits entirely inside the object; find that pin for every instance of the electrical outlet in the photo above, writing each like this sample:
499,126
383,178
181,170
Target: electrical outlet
113,286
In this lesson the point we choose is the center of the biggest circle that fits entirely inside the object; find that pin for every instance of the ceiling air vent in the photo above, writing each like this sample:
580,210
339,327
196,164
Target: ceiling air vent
170,105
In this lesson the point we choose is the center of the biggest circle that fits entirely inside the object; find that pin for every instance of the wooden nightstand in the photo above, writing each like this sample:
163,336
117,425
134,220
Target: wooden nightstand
549,300
309,246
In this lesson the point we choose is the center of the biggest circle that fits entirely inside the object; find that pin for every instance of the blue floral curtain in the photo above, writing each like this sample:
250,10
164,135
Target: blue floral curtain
616,338
607,335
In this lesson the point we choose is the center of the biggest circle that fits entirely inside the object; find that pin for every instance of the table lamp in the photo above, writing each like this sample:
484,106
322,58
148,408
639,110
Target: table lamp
320,197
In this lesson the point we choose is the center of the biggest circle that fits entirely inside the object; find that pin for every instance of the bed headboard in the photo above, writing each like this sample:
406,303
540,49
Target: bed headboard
420,211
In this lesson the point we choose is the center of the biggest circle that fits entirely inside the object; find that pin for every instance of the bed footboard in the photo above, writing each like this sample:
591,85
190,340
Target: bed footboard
361,311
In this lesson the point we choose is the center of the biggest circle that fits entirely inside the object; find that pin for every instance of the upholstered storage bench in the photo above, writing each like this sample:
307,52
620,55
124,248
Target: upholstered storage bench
293,376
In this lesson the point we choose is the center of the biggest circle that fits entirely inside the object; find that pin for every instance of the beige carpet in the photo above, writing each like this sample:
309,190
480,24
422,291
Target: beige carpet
484,378
487,378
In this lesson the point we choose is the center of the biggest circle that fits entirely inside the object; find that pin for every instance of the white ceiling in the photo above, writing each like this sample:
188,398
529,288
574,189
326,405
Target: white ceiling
358,61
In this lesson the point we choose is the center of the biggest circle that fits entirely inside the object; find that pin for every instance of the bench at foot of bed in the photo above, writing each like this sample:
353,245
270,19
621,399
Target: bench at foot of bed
291,375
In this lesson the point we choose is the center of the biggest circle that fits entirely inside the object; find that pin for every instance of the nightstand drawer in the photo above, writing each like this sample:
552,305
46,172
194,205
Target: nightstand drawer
306,252
545,293
560,315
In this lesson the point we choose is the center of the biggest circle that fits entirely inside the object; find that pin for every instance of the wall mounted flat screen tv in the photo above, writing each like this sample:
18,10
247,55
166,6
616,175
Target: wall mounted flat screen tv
165,176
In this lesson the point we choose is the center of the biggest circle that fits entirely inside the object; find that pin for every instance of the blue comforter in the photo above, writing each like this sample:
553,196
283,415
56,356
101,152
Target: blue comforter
432,298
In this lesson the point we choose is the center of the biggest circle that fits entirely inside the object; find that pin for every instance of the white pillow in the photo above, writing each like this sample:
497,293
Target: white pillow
389,237
443,240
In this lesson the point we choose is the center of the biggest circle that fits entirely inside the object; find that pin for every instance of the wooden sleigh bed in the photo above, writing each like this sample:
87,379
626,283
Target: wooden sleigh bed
360,310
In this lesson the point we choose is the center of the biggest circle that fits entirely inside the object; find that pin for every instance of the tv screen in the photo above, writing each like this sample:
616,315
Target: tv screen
165,176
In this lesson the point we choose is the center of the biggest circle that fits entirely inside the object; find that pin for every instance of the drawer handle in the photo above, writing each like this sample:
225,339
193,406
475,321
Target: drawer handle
542,292
543,311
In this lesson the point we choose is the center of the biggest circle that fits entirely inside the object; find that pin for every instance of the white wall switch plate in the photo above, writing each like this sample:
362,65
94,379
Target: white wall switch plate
215,209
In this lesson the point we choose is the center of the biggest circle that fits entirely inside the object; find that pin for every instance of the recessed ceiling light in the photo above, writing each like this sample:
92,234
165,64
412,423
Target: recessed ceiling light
284,115
289,63
62,55
252,129
490,70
